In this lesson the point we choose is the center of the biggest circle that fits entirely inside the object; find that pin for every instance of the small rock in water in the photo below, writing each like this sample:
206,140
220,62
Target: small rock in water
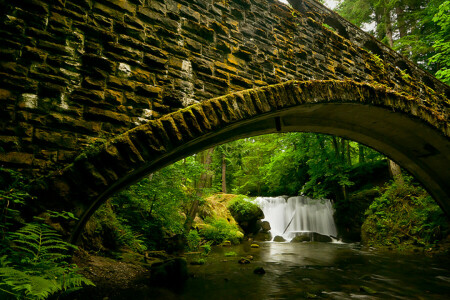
367,289
259,271
243,261
254,245
226,243
249,257
279,239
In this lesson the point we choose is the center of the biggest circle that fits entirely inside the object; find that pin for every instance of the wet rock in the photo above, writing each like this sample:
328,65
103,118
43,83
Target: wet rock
311,237
265,226
254,246
226,244
367,289
259,271
244,261
172,272
317,237
263,236
300,239
279,239
249,219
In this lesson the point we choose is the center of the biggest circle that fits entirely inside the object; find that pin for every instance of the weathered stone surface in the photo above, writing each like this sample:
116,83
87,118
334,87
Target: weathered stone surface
77,70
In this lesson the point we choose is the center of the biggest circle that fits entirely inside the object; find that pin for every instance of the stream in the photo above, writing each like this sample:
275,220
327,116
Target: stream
313,271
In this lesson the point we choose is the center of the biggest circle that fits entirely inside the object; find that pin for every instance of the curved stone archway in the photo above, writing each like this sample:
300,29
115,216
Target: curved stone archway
398,125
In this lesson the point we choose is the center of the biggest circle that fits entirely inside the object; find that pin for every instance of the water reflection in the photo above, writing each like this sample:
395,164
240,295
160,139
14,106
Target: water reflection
305,271
321,270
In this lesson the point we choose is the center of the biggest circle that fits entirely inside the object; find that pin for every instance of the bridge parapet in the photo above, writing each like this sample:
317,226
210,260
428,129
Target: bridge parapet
74,73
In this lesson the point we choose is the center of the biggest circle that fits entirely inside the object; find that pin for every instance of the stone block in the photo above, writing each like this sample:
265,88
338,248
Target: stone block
154,62
16,158
148,90
96,61
59,140
98,114
196,30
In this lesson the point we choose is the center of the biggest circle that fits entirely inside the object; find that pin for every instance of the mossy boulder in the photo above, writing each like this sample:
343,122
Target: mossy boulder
215,207
265,226
247,214
279,239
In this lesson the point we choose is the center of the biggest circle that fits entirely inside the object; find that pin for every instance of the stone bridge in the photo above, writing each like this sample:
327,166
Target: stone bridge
95,94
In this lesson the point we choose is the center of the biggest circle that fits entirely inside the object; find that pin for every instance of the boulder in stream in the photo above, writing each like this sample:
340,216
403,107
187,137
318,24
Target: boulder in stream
265,226
259,271
279,239
172,272
301,238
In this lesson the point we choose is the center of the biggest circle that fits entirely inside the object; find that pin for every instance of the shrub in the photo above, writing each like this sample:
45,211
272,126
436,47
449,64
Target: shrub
219,230
193,240
403,217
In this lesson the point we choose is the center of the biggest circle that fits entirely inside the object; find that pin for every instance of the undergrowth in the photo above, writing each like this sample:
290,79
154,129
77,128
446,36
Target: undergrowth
404,217
33,256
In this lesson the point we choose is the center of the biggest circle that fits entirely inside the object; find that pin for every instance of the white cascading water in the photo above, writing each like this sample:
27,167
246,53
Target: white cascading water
291,216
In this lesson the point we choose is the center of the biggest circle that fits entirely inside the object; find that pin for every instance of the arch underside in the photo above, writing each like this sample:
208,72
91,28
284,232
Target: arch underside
398,126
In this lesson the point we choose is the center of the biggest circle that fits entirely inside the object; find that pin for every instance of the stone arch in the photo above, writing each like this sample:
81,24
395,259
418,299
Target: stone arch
400,126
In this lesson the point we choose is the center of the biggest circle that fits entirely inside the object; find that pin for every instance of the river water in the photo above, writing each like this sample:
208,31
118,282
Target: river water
315,271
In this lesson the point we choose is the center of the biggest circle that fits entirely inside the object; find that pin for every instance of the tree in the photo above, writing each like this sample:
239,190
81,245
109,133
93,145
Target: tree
442,44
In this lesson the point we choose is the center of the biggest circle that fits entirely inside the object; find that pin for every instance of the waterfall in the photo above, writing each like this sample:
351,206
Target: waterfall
291,216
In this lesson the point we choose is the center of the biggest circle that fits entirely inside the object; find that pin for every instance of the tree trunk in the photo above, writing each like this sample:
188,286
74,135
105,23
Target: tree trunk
201,184
396,172
224,175
388,26
362,157
335,146
349,156
399,10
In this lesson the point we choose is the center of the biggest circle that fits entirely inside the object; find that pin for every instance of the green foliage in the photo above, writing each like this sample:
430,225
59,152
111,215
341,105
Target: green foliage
193,240
219,230
442,42
404,216
206,248
243,206
420,29
153,208
35,266
12,198
230,254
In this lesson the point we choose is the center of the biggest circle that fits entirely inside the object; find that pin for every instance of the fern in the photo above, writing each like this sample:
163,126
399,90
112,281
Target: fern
36,267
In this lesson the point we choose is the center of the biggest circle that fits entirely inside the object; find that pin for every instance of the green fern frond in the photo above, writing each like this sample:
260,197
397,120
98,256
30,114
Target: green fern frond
38,270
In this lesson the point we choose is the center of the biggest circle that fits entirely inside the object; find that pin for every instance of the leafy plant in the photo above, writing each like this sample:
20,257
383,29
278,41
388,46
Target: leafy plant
219,230
12,198
206,248
193,240
36,266
403,217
